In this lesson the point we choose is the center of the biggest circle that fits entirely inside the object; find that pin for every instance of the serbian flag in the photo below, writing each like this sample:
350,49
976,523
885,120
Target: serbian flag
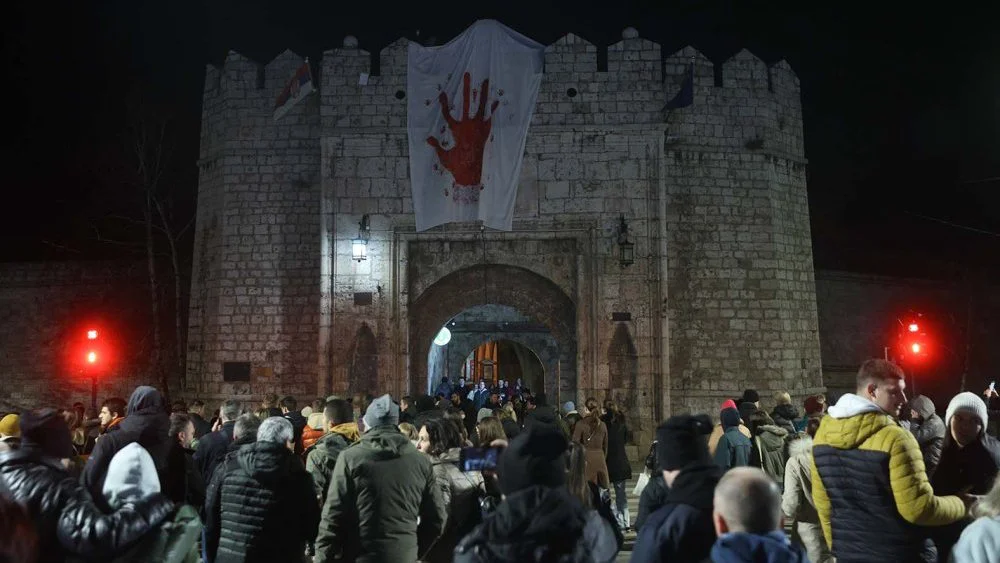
469,104
298,87
685,96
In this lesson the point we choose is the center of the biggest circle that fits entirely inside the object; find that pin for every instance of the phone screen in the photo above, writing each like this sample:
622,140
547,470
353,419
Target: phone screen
479,459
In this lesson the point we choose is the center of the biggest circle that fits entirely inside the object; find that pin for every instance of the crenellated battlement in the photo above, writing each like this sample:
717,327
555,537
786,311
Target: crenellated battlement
746,104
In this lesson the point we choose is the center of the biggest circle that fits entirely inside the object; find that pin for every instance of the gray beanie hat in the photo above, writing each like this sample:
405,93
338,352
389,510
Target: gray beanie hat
969,402
381,412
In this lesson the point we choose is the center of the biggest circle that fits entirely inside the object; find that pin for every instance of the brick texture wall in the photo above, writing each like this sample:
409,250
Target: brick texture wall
721,295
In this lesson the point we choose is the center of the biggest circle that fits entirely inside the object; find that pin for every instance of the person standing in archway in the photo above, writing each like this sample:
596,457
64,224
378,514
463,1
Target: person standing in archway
593,434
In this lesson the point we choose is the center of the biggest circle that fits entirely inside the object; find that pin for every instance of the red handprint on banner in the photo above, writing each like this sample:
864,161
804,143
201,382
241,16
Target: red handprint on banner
465,159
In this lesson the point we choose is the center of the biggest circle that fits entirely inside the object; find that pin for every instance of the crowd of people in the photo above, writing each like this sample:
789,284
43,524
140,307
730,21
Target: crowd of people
480,473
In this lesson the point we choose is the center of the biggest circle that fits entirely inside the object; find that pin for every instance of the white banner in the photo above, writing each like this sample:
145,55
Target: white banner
469,104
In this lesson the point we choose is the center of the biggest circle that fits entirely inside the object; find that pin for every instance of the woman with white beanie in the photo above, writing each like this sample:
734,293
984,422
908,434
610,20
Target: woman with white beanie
969,462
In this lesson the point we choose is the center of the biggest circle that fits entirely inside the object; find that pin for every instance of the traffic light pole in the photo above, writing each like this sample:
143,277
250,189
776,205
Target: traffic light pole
93,392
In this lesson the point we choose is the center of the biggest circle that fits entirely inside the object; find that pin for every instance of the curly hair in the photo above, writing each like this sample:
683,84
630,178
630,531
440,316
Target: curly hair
443,434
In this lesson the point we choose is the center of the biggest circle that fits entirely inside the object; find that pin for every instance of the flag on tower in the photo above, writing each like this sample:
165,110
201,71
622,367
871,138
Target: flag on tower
685,96
299,86
469,104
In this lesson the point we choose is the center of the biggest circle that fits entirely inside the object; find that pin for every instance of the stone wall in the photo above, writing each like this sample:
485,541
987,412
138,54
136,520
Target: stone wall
256,254
46,309
720,297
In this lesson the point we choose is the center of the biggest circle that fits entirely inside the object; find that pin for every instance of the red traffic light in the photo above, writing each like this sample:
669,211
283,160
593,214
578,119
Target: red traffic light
915,347
92,357
914,327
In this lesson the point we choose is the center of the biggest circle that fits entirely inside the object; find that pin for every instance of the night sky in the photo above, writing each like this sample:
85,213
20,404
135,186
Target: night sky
902,108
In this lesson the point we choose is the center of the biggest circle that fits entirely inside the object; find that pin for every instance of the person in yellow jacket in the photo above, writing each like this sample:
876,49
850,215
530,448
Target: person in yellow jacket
869,483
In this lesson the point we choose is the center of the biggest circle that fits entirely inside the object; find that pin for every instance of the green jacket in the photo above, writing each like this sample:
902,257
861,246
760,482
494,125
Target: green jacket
321,460
379,488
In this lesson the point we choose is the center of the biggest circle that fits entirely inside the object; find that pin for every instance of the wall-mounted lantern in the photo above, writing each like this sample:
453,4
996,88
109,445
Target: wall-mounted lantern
626,248
359,246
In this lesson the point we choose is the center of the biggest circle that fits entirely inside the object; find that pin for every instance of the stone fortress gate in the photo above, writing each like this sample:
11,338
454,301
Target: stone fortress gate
720,296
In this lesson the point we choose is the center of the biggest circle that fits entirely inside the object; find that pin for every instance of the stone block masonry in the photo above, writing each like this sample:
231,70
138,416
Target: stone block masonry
721,295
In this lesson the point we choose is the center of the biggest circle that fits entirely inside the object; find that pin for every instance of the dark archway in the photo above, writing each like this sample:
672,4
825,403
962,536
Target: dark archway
522,289
362,368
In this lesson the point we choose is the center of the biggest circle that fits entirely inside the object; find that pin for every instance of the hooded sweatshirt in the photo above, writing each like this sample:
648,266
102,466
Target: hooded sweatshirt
754,548
980,542
146,423
869,486
929,433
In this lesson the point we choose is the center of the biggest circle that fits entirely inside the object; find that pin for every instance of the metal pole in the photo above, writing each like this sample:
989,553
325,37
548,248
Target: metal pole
93,391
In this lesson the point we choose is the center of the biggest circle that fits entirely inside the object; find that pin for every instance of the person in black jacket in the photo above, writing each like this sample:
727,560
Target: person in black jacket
183,482
212,447
244,432
147,423
290,410
539,518
65,517
619,468
682,529
269,510
970,462
197,412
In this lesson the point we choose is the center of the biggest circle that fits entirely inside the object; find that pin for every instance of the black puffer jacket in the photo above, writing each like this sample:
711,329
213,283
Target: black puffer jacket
212,514
68,522
269,509
147,424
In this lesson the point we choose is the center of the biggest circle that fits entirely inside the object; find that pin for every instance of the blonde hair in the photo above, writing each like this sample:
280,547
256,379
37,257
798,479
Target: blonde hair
507,412
782,398
409,430
989,504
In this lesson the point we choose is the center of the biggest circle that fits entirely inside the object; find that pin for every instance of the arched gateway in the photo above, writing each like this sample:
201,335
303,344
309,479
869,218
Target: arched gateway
498,284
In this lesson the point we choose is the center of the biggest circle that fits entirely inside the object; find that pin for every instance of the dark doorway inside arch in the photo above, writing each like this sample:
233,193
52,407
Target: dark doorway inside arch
495,342
534,298
504,360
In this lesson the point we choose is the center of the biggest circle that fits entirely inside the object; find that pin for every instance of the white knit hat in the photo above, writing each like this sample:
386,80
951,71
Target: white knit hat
970,402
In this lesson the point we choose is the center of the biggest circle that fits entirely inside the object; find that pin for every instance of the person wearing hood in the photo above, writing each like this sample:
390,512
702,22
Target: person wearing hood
681,530
718,431
785,414
290,410
797,499
871,492
132,478
383,502
747,519
68,522
733,449
969,462
928,428
539,518
539,412
146,423
268,510
769,446
212,447
244,432
342,431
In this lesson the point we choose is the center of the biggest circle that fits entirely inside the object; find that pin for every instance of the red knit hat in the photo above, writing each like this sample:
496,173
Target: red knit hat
729,404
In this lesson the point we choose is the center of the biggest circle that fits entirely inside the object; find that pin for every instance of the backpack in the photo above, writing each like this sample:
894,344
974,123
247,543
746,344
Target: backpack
175,541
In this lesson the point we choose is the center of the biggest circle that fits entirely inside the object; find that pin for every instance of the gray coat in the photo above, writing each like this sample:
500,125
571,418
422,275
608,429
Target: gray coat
929,433
797,501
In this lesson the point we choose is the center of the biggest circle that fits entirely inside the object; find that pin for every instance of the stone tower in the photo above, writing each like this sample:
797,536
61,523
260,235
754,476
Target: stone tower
721,295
